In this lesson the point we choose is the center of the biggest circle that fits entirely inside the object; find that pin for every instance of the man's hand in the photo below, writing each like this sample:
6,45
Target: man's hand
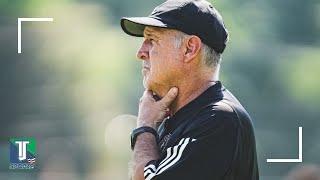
151,111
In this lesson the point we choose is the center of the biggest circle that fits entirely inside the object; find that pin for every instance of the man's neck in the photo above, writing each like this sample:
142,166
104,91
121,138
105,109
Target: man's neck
189,92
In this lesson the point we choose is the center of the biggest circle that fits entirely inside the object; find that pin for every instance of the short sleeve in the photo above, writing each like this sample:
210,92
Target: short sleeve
206,152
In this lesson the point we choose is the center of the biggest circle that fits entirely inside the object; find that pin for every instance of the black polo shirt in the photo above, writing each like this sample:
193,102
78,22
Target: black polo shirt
211,138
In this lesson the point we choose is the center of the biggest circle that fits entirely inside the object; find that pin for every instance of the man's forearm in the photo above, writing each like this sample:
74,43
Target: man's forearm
145,150
151,112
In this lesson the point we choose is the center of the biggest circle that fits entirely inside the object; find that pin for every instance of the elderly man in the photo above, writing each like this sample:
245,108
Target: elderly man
189,126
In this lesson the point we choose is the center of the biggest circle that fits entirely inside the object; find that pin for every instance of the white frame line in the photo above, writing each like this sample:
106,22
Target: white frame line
20,20
291,160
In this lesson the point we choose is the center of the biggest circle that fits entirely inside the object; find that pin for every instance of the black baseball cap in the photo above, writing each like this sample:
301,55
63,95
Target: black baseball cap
193,17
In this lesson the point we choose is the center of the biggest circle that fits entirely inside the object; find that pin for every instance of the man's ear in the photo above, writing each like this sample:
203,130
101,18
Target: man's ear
193,46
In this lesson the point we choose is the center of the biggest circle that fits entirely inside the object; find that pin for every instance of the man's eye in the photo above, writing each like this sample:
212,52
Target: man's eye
151,40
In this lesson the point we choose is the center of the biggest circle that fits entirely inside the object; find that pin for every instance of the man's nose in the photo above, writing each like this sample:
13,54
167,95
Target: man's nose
143,52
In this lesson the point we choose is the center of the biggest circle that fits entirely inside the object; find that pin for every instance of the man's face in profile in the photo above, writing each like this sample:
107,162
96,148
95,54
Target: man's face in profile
161,59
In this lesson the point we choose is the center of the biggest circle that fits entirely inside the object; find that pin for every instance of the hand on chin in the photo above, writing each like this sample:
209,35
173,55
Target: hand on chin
147,84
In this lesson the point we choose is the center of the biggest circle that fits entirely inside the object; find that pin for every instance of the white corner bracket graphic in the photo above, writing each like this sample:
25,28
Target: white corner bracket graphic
20,20
291,160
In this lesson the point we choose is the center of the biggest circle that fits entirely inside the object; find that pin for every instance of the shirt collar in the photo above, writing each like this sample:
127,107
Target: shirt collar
210,95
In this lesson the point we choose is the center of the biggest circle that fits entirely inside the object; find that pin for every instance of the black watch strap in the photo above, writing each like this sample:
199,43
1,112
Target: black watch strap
141,130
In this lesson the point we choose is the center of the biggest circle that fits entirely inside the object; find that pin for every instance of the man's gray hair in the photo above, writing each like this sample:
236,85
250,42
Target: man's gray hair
209,56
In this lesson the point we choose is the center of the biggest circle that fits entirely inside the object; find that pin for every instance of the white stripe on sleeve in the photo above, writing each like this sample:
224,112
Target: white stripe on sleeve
173,155
159,170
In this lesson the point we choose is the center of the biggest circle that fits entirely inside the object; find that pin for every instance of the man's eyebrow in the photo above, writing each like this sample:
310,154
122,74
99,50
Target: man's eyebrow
150,33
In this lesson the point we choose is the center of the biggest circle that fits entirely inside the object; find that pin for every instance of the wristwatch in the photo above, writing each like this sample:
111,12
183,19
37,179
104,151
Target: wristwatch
136,132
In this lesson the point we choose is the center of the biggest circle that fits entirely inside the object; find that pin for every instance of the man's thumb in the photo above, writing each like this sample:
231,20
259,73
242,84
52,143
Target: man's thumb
169,97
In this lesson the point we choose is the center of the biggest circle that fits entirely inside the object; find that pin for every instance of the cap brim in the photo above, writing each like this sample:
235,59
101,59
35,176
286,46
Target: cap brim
134,26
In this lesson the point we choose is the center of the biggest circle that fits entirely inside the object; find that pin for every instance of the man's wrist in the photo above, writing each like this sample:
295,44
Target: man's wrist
142,130
146,124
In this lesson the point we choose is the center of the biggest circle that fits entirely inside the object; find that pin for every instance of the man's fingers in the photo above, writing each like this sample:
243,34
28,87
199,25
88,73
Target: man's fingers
169,97
146,94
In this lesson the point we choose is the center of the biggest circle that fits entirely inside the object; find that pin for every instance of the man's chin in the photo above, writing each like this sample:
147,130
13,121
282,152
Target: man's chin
148,85
151,85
